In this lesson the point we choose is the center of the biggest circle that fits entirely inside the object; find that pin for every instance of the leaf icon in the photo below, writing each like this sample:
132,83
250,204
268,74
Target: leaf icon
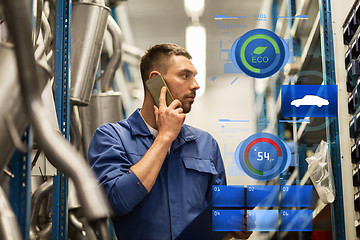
259,50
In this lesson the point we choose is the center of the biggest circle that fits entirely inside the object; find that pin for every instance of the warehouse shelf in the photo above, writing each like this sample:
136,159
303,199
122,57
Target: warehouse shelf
298,24
302,128
320,210
311,43
346,60
304,66
309,66
282,23
351,23
313,132
305,69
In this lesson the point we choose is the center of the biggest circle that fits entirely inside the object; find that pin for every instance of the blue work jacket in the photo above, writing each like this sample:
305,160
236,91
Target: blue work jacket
182,189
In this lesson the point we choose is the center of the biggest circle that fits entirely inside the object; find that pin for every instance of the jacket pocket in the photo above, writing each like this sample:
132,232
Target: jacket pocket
199,175
200,165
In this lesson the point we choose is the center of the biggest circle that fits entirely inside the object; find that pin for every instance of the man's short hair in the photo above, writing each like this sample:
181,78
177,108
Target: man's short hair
157,58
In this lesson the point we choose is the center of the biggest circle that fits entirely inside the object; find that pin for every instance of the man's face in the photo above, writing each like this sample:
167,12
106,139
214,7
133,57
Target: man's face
180,78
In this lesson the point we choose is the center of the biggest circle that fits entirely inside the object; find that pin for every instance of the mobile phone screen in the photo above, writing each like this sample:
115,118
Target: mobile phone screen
154,85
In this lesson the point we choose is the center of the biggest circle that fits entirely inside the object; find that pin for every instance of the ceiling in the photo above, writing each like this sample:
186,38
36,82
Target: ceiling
161,21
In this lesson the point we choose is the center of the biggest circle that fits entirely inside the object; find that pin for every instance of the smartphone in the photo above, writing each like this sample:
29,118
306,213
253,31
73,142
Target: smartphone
154,85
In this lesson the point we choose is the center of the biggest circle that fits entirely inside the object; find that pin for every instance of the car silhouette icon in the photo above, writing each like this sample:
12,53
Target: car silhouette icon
310,100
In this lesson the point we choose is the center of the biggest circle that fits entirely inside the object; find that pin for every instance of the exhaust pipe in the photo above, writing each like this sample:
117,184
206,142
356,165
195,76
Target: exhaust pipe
89,22
56,148
115,60
105,106
13,120
9,228
43,191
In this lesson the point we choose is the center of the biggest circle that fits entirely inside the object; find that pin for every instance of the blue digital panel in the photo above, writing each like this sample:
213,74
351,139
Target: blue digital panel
260,53
220,17
296,196
263,156
263,220
296,220
309,100
228,196
262,196
228,220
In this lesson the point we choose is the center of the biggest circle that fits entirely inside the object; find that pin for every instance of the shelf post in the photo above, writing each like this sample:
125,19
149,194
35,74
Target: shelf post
62,105
20,185
332,129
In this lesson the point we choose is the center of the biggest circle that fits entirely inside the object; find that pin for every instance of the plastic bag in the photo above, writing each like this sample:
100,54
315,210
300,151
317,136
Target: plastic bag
321,173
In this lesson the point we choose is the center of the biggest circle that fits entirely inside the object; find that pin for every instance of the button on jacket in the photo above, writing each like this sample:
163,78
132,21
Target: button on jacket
182,188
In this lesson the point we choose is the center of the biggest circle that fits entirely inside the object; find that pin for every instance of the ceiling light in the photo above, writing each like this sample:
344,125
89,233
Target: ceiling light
196,45
194,8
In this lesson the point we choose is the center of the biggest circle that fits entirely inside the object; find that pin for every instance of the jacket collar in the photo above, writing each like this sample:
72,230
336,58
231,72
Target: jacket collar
137,124
138,127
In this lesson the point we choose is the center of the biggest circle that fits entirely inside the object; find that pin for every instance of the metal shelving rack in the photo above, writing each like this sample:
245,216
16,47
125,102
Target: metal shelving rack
305,68
321,62
340,25
332,127
21,162
62,105
20,185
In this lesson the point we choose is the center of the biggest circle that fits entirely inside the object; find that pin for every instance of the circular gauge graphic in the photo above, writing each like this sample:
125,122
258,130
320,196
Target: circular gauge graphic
260,53
263,156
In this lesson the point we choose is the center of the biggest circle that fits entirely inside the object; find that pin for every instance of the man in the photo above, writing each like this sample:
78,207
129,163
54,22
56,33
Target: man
158,172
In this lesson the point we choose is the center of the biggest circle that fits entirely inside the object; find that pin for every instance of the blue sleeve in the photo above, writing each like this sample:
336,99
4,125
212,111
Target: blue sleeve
108,159
219,165
220,178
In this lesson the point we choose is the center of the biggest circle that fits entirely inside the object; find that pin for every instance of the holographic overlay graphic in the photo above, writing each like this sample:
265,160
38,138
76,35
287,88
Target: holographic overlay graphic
296,220
309,100
263,220
262,196
260,53
228,196
228,220
296,196
263,156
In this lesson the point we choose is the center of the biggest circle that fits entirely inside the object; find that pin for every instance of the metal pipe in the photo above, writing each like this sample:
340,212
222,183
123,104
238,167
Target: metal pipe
13,120
9,228
115,60
42,191
46,30
56,148
49,56
101,227
88,25
101,2
39,8
45,233
132,50
75,135
75,221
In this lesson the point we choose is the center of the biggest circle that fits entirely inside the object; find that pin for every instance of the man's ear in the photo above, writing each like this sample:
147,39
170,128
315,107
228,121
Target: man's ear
153,74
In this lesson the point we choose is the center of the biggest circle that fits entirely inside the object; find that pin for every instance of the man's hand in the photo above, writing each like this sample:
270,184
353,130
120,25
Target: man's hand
169,119
239,234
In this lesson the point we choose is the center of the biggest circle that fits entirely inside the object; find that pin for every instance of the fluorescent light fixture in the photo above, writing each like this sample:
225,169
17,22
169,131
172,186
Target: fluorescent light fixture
196,45
194,8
